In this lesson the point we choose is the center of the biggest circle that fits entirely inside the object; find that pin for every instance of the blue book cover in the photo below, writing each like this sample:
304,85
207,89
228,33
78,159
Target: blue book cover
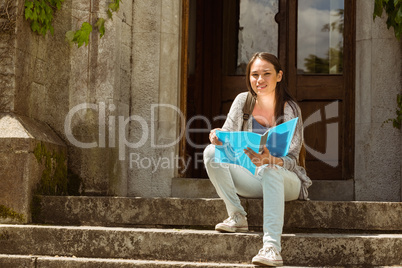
277,139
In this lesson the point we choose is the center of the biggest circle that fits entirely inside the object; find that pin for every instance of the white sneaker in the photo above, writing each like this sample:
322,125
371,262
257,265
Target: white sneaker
268,256
233,224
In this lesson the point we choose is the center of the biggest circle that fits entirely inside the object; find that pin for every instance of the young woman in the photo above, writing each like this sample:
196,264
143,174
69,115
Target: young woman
278,179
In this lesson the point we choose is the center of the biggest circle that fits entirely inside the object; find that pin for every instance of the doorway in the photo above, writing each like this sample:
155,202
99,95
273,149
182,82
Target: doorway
221,36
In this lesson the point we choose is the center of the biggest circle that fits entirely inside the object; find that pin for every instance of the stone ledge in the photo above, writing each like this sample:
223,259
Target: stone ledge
308,215
195,245
327,190
24,261
23,142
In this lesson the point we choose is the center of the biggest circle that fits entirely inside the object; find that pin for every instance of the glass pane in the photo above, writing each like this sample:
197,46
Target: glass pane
320,36
258,30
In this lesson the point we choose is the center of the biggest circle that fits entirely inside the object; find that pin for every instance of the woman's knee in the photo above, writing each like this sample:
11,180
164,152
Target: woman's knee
272,172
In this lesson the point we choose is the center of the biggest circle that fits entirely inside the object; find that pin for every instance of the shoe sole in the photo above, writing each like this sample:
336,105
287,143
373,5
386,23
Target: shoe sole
228,229
265,262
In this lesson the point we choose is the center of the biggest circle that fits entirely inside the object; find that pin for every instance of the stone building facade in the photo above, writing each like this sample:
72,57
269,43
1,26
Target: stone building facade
112,104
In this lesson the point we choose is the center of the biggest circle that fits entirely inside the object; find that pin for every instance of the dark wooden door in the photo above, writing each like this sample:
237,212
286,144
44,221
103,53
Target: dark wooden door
213,80
323,85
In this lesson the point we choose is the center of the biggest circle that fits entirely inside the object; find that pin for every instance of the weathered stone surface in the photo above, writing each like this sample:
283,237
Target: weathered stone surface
22,164
12,261
20,261
191,245
377,169
193,188
307,215
328,190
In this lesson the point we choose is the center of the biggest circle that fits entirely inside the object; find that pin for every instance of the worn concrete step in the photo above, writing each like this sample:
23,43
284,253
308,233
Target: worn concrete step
307,249
26,261
300,216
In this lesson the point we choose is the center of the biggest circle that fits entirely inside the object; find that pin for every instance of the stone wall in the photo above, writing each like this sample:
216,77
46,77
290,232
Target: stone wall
45,79
156,65
378,81
8,19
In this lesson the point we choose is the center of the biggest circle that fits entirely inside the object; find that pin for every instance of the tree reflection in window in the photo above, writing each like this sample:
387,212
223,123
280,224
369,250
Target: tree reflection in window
320,36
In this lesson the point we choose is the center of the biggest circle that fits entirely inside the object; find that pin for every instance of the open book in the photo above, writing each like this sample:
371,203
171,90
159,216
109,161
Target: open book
277,139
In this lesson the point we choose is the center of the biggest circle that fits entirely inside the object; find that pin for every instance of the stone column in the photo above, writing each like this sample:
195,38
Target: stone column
100,78
378,80
155,97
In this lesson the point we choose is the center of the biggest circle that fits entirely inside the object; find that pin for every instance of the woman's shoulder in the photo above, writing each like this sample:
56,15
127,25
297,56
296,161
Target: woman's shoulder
240,98
291,107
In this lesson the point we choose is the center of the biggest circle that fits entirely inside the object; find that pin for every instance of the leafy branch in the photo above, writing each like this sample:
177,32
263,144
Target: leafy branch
81,36
397,122
40,14
393,8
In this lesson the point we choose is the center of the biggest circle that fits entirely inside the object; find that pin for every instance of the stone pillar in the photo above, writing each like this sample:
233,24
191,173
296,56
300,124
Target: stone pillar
378,80
155,97
100,78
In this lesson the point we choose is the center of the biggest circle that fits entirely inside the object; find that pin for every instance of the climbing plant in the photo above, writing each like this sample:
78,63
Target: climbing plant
397,122
393,8
81,36
40,14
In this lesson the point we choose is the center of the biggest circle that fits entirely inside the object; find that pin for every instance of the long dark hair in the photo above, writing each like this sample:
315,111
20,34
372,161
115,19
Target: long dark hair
282,94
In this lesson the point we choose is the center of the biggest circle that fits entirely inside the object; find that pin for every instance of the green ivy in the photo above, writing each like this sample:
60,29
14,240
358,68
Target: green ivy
81,36
113,7
40,14
397,122
393,8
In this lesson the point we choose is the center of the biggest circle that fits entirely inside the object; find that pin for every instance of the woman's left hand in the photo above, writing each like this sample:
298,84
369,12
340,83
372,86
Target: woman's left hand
261,159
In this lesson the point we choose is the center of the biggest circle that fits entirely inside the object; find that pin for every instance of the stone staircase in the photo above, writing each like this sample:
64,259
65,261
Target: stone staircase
178,232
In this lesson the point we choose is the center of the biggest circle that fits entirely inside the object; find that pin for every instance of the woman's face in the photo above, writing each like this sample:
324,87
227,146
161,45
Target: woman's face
263,77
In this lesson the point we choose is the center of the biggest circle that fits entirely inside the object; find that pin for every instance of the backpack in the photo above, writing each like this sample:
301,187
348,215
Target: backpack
248,110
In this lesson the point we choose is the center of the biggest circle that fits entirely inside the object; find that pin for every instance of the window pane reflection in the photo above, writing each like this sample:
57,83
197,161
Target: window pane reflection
320,36
258,30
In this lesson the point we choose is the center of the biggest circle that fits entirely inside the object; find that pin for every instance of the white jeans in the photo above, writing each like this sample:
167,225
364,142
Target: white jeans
273,183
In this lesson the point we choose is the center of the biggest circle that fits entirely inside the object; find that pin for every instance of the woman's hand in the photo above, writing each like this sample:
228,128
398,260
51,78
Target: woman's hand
264,158
213,138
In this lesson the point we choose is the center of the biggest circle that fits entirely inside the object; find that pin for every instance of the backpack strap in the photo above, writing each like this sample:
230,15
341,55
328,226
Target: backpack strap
248,110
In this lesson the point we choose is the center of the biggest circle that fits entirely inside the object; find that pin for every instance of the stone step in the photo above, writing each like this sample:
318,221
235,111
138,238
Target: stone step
300,216
308,249
328,190
26,261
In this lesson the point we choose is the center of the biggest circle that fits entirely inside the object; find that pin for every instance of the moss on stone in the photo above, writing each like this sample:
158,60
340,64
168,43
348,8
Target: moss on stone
54,176
6,212
56,179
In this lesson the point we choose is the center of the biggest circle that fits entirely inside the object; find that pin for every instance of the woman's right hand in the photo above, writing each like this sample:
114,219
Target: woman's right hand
213,138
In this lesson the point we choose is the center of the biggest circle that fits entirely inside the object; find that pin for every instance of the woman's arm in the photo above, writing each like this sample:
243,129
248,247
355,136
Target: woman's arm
234,118
292,110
